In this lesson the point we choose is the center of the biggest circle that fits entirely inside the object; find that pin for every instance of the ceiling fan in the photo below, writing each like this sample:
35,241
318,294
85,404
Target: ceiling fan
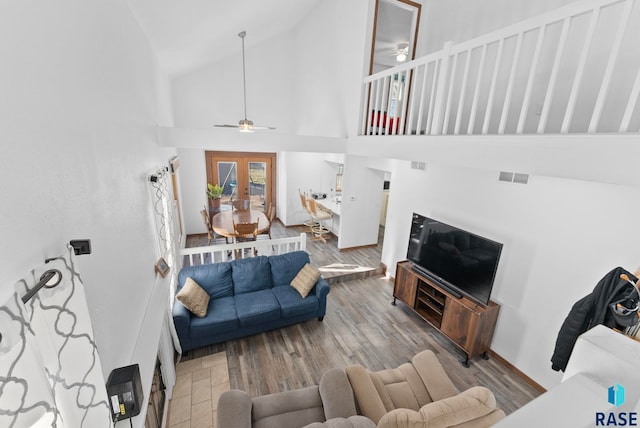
402,52
245,125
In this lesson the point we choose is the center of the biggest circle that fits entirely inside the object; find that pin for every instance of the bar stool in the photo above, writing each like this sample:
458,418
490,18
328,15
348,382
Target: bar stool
319,231
311,223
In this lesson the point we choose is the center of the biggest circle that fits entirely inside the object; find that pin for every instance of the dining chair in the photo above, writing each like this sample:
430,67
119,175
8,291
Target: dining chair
211,235
271,215
241,204
245,232
319,230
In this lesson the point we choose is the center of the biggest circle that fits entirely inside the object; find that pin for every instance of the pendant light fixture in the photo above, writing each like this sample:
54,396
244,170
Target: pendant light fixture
244,125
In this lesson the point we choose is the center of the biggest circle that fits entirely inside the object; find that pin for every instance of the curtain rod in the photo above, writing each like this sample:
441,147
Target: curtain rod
158,174
44,279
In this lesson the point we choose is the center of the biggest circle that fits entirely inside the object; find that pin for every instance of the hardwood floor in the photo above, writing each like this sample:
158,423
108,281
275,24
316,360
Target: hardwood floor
360,327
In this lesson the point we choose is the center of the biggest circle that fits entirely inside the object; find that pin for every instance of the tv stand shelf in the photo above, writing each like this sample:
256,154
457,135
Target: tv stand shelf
469,325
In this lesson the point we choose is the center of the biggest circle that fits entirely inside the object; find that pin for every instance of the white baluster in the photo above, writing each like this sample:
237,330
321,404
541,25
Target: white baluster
548,99
465,75
476,92
512,74
577,81
527,93
613,57
492,88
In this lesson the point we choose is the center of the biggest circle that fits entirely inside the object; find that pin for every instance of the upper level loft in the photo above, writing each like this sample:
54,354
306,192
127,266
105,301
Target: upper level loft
574,70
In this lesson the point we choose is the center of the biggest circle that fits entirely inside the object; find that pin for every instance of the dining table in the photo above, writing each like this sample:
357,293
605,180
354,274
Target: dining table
222,222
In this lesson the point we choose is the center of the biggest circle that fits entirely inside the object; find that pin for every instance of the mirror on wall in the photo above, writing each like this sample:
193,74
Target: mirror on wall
395,31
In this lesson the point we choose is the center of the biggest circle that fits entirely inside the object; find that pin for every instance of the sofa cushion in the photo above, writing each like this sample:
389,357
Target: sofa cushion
356,421
251,274
257,307
214,278
287,409
194,298
221,317
337,395
305,280
292,304
473,407
285,267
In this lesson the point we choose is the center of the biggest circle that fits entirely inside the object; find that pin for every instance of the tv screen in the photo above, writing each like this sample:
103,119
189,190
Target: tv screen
461,262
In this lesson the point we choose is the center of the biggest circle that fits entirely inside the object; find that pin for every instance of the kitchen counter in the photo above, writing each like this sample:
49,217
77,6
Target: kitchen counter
331,205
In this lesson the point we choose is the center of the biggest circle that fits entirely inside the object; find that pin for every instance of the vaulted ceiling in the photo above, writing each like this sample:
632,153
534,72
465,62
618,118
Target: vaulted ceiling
188,34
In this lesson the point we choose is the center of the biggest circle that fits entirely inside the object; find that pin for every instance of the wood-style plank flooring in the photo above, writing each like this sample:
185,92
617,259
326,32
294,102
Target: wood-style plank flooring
360,327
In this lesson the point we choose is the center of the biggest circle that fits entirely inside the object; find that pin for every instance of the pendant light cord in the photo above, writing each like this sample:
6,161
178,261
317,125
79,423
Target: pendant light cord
242,34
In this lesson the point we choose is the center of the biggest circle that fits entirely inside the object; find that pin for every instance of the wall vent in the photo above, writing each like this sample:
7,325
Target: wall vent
421,166
506,176
521,178
511,177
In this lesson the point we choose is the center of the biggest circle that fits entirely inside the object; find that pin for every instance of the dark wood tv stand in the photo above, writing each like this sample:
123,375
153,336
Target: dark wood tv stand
468,324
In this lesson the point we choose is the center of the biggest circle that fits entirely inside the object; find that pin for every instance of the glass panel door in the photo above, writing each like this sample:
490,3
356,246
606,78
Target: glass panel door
257,185
243,176
228,180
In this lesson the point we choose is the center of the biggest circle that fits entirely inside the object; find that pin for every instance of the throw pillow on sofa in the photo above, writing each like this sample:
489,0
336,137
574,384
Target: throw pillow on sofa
305,279
194,298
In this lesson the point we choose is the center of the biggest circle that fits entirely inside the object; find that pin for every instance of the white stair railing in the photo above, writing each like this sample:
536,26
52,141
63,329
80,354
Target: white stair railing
573,70
221,253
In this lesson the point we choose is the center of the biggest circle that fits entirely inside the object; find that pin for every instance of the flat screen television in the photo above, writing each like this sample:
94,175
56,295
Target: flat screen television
461,262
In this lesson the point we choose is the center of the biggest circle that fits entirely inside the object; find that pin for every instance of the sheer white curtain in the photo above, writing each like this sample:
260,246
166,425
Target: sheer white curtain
50,369
167,228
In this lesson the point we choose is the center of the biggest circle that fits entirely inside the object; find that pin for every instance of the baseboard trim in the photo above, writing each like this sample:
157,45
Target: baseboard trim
517,372
358,247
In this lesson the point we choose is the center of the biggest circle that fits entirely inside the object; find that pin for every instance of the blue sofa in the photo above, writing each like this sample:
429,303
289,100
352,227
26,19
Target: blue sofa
247,296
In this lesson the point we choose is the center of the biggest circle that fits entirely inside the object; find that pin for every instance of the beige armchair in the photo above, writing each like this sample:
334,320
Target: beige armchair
420,394
329,404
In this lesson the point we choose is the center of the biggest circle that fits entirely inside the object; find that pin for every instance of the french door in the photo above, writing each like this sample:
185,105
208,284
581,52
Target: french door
243,176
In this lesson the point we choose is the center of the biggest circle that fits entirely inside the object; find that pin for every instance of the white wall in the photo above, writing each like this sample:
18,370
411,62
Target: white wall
560,237
193,182
303,171
78,111
460,20
328,67
361,201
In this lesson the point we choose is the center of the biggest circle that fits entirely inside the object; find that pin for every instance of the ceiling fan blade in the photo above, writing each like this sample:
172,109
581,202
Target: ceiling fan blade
253,127
263,127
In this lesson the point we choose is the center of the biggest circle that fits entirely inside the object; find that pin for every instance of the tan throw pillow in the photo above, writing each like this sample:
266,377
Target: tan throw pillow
305,279
194,298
